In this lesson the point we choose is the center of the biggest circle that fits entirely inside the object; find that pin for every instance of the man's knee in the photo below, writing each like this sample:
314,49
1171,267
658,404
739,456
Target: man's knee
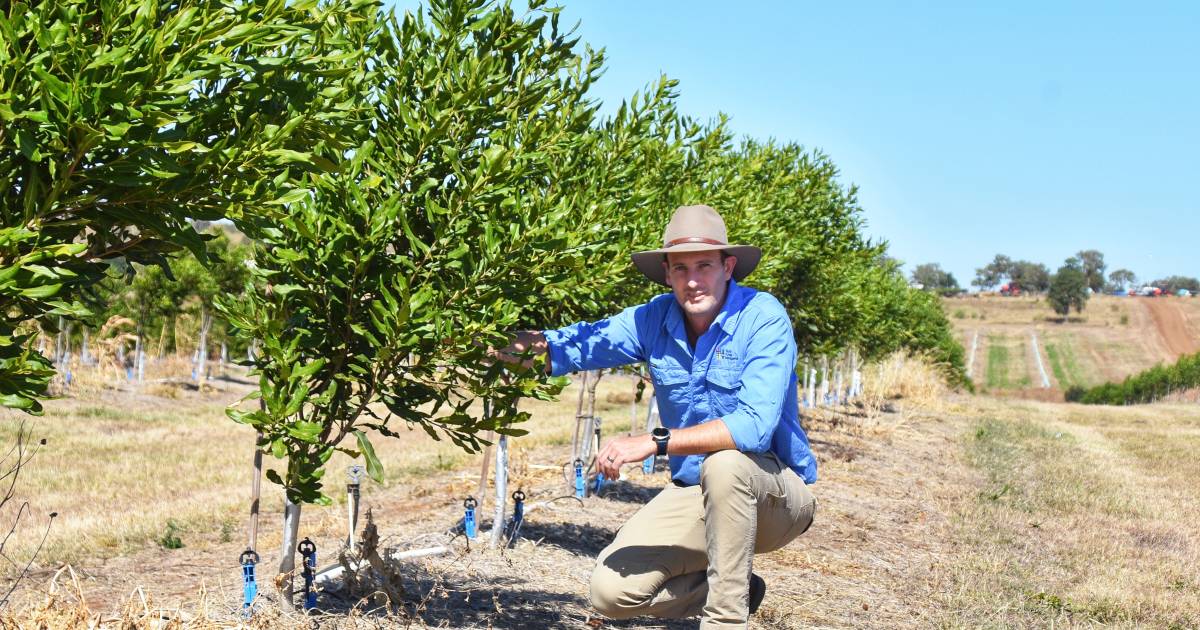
726,470
610,595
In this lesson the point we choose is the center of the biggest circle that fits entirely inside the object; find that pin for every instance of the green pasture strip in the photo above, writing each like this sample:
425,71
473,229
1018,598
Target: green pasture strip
1048,527
1065,363
1056,365
997,363
1022,363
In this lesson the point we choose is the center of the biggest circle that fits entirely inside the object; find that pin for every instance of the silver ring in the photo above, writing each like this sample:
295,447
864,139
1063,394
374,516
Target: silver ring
611,459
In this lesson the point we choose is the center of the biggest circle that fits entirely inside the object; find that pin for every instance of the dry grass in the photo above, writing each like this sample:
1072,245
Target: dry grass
936,510
1083,517
915,381
118,466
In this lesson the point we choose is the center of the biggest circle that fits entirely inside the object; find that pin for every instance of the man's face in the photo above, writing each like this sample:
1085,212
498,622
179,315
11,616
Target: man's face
699,281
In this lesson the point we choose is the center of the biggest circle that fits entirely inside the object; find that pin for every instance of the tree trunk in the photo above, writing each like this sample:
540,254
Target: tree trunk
139,355
202,351
837,394
85,354
287,554
63,343
824,392
592,383
162,340
633,414
578,428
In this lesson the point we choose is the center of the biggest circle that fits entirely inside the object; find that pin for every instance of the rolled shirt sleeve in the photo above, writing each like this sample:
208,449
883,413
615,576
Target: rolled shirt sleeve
768,371
596,345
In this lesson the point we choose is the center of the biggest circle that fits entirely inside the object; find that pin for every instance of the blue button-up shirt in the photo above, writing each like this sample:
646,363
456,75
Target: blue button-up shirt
741,370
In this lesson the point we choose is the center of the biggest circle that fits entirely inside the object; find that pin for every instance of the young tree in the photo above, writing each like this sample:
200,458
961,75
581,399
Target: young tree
1068,288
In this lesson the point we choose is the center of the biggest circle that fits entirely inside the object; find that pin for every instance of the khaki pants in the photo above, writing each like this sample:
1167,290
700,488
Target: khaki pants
690,550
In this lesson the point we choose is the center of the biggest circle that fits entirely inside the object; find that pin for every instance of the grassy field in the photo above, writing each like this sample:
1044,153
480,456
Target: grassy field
1113,338
1081,517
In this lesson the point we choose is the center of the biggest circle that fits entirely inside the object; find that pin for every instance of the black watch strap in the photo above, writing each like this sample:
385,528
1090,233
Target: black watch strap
661,436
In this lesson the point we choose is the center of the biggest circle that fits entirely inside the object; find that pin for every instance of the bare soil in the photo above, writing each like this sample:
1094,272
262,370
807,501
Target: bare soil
1172,326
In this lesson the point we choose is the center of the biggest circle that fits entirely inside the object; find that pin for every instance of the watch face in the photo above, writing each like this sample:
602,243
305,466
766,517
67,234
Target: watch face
660,433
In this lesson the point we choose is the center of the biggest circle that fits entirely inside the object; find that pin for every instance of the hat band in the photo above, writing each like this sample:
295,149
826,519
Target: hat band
694,239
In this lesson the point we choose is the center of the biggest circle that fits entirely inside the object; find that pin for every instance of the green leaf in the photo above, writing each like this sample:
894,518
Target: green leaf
293,195
374,468
306,431
42,292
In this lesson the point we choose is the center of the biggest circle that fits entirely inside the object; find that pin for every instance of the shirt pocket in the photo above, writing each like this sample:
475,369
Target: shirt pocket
670,381
723,383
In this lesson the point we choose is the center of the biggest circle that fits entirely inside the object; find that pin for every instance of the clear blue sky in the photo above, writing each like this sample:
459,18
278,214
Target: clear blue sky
1026,128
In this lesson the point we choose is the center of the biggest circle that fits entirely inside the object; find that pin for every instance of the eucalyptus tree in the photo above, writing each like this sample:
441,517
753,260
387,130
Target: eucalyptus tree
122,120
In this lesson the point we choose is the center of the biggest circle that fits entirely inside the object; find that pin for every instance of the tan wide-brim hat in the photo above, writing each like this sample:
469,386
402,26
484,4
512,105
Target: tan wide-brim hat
696,229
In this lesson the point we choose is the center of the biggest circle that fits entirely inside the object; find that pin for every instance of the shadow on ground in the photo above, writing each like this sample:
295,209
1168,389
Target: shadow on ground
627,492
581,540
458,601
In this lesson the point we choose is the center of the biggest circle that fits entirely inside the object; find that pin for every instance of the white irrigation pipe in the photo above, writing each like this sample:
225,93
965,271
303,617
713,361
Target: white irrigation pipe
971,357
1037,355
334,571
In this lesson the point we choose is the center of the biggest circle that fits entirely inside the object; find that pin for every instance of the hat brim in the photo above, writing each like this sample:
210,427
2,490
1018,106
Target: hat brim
650,262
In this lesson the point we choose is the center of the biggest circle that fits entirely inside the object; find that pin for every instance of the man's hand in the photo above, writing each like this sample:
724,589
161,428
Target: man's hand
623,450
701,439
523,342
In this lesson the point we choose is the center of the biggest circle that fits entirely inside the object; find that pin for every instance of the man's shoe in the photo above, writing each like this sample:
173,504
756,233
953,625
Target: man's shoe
758,590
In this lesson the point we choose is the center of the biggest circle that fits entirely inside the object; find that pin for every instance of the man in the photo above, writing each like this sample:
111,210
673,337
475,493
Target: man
722,357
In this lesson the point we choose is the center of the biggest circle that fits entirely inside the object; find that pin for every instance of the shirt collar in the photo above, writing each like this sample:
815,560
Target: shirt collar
735,298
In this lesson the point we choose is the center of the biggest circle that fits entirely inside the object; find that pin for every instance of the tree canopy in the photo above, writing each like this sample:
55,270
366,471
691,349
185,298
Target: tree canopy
1068,288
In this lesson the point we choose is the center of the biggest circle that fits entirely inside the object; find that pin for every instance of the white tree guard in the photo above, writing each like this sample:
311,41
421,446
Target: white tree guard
971,355
501,490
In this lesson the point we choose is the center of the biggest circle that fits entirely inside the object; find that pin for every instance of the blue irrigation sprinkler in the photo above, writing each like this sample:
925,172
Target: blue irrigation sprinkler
518,517
579,483
469,524
308,549
598,483
248,559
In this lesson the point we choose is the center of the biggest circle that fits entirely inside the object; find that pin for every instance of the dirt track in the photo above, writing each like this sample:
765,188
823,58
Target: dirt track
1172,326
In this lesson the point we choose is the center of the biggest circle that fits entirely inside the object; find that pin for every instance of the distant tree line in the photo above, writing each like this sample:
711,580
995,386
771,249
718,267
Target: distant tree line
1030,277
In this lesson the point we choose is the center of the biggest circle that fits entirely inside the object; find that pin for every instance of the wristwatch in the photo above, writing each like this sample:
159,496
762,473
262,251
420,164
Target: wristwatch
661,435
